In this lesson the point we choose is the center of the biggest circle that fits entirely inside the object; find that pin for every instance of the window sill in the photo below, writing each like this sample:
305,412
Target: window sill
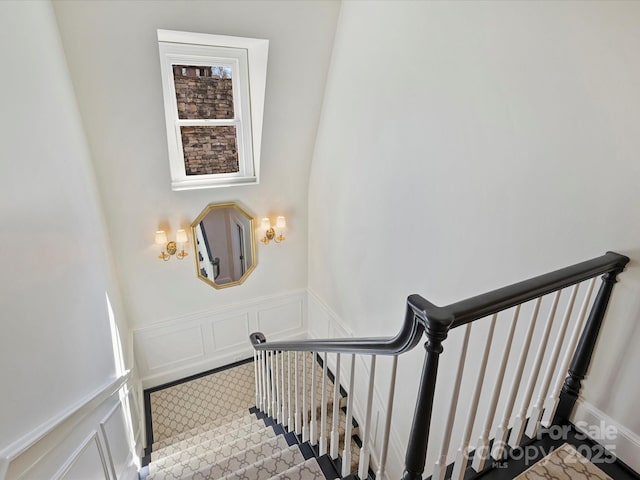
196,183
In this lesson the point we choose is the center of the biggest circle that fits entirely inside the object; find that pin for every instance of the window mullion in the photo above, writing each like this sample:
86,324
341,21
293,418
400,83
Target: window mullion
206,122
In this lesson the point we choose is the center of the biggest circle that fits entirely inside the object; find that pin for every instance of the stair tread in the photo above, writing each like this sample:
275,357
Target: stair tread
308,470
218,448
270,466
220,422
199,437
221,432
202,400
239,446
209,466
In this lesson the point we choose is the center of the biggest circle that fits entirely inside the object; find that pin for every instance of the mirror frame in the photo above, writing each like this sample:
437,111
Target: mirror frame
199,218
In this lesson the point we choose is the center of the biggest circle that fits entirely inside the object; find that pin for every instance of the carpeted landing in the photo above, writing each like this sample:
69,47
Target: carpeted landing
208,428
564,463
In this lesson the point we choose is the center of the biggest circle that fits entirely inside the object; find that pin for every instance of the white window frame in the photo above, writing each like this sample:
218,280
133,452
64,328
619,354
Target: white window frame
247,58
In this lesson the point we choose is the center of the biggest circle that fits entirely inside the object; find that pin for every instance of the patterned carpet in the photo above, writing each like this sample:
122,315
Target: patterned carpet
201,401
204,400
203,429
564,463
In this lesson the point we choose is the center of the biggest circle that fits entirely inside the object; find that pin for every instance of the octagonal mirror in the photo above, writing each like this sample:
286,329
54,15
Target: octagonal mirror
224,244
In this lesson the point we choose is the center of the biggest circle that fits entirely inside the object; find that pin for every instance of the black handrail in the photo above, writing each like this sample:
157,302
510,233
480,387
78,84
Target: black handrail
497,300
408,337
423,315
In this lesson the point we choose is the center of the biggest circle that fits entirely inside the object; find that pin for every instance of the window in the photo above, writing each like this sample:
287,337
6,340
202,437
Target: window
213,89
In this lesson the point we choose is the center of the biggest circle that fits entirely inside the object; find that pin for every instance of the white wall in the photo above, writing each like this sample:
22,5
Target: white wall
56,348
113,57
464,146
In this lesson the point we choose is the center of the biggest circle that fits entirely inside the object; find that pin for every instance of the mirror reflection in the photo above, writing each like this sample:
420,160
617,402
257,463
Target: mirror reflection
224,245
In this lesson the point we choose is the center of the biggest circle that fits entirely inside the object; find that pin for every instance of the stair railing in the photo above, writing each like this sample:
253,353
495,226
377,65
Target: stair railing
556,395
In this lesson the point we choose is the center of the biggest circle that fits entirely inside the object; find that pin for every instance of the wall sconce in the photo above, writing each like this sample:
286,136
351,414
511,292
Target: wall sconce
172,247
270,232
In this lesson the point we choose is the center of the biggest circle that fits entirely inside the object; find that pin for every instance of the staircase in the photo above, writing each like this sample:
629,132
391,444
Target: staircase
251,444
299,427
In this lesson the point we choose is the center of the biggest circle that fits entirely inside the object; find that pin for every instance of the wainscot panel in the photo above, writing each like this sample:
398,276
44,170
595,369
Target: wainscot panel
173,346
325,323
89,440
280,319
115,426
88,462
231,332
179,347
321,317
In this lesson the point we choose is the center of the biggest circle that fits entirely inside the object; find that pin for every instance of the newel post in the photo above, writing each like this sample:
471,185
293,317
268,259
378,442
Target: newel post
586,345
416,455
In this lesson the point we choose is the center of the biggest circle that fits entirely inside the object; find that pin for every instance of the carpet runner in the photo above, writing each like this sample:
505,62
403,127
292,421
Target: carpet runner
204,429
564,463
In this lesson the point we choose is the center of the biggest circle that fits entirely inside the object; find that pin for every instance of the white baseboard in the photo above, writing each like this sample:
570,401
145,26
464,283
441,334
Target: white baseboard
621,441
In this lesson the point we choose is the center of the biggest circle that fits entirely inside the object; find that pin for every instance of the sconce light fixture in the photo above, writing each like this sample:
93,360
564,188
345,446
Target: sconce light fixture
270,232
172,247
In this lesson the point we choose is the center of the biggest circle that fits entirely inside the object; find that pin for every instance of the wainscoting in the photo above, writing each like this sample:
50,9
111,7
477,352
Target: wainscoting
89,440
325,323
191,344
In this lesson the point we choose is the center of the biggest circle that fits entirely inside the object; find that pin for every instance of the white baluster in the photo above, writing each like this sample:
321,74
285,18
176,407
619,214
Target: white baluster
381,474
257,378
277,392
274,386
313,427
289,403
363,466
274,405
536,411
335,415
502,431
269,383
263,367
298,427
305,412
552,401
462,457
521,418
440,468
323,409
259,405
482,449
283,416
346,453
